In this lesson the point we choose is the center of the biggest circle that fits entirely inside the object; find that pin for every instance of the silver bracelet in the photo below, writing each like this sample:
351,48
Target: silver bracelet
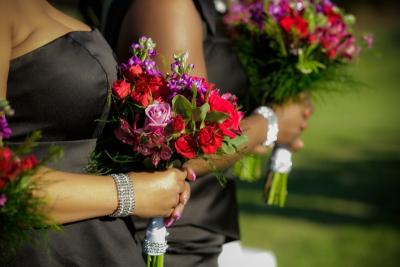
126,200
272,120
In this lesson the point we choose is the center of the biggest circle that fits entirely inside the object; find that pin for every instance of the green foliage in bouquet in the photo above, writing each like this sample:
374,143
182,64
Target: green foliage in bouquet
20,212
288,47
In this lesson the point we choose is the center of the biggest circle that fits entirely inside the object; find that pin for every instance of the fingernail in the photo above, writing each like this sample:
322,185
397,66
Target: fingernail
177,216
193,176
168,222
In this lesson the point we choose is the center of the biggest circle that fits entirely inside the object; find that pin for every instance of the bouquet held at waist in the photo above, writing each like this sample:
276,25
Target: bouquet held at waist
289,47
161,121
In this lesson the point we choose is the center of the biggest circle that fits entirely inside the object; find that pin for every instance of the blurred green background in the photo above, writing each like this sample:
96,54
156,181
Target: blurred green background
343,206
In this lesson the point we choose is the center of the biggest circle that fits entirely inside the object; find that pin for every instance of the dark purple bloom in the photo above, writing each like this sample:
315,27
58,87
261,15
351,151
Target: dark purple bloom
257,13
5,131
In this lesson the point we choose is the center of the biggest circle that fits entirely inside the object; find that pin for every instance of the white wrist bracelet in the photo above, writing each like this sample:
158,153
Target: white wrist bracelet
272,120
126,200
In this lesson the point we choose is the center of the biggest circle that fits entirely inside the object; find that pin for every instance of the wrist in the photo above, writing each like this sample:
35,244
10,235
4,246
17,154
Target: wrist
125,195
272,124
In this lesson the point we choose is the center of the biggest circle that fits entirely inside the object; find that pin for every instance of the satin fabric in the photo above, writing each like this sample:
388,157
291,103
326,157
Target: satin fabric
61,89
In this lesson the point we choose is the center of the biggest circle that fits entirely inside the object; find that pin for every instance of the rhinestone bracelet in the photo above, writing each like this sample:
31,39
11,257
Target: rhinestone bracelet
272,120
126,200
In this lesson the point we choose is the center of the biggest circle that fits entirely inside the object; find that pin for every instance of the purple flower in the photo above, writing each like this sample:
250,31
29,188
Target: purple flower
3,200
279,9
5,131
257,13
158,115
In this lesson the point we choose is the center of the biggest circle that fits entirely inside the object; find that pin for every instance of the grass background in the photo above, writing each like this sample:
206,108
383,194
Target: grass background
343,203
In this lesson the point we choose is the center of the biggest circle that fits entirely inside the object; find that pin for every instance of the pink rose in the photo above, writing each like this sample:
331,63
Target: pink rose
158,115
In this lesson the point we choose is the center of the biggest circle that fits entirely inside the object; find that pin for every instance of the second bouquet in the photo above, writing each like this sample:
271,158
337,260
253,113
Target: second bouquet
161,121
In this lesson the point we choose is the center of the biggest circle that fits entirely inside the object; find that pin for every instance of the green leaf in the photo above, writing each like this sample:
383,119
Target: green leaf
227,148
239,140
215,116
182,106
194,91
199,114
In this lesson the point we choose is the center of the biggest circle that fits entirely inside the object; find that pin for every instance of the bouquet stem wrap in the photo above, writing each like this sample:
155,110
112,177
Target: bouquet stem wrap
155,244
275,187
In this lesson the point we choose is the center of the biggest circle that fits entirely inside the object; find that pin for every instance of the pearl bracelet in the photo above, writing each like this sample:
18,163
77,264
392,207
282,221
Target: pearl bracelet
126,200
272,120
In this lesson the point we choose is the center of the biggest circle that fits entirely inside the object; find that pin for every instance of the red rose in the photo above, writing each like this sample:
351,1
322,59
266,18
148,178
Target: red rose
186,146
178,124
230,125
5,158
298,22
133,72
9,166
147,89
287,23
28,162
209,140
121,88
301,26
2,183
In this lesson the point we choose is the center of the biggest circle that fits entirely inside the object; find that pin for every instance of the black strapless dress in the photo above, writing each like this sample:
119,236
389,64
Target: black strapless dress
211,216
61,89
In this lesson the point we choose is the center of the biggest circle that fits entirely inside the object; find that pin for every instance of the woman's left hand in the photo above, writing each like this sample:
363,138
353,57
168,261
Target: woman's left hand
183,199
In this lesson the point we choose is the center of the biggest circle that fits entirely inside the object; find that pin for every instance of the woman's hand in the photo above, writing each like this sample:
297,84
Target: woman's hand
160,194
292,119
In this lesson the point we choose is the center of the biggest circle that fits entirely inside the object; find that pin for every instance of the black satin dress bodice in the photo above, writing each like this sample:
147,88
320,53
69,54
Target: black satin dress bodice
61,89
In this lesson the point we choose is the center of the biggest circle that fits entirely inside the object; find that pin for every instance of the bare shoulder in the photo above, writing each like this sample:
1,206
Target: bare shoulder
6,9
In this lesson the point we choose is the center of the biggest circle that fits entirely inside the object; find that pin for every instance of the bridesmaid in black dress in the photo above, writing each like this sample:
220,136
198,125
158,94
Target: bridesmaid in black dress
211,216
57,73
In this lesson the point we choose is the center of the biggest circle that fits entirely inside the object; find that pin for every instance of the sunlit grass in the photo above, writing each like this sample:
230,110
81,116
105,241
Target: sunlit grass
343,203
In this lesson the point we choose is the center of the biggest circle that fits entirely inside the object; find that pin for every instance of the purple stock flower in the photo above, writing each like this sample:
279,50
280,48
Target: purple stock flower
279,9
5,131
257,13
3,200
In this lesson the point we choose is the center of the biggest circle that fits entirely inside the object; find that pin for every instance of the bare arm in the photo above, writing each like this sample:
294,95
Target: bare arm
73,197
175,26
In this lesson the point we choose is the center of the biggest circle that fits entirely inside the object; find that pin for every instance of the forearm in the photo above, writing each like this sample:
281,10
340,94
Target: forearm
254,127
73,197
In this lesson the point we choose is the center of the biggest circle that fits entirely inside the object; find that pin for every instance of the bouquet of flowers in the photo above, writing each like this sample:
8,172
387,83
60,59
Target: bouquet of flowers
19,210
288,47
161,121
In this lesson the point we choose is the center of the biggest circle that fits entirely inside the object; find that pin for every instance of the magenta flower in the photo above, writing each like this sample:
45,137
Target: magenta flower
3,200
5,131
158,115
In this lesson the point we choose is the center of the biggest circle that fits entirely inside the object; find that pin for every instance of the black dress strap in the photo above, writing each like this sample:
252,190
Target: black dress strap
114,17
208,14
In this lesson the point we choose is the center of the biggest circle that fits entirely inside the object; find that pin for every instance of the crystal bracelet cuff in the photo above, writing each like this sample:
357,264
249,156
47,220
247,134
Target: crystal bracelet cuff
126,200
272,120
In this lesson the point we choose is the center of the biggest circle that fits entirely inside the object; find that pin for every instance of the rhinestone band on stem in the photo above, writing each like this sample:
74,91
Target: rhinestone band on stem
154,248
126,200
272,120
